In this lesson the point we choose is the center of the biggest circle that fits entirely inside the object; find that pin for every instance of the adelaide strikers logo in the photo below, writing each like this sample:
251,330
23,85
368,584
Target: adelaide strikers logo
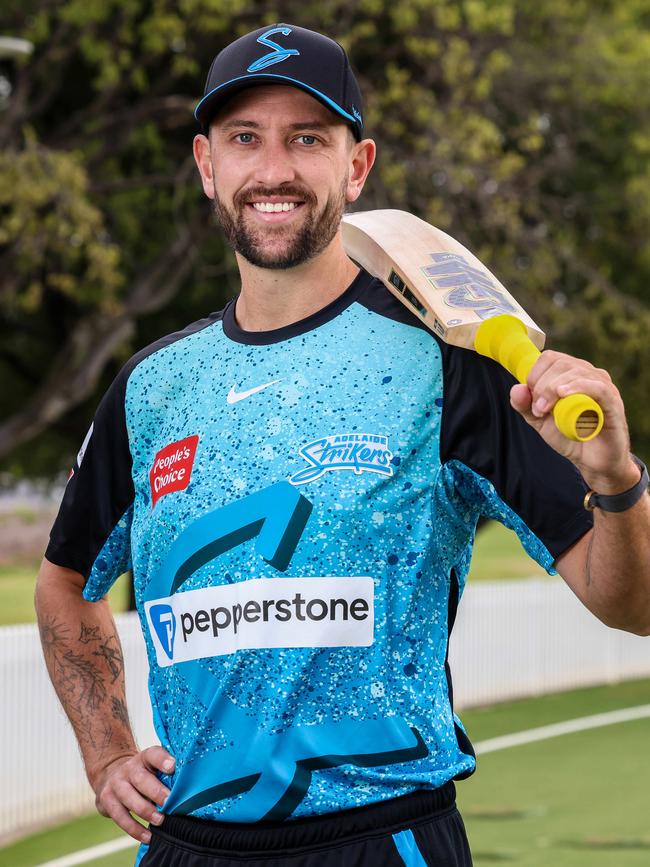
359,452
278,53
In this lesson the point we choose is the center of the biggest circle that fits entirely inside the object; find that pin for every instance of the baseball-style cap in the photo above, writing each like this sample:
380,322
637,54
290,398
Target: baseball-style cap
284,54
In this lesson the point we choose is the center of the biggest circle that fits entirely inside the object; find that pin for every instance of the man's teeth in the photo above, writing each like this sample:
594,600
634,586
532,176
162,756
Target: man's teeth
274,207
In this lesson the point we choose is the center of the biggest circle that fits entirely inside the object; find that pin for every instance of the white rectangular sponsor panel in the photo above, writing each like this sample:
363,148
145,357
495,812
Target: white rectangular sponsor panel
263,612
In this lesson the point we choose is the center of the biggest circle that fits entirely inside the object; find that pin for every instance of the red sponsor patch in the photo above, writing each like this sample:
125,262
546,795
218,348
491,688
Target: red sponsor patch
172,468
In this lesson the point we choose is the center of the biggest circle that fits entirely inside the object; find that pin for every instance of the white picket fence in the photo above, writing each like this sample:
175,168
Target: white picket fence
511,639
514,639
41,774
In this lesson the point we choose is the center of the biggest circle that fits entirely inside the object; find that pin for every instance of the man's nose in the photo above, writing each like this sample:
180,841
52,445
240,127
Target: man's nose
275,166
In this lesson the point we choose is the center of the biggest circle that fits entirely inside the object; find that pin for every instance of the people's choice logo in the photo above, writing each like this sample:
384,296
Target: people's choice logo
262,613
278,53
359,452
172,468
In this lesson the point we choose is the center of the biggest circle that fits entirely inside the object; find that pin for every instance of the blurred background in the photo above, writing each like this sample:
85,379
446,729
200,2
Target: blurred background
520,127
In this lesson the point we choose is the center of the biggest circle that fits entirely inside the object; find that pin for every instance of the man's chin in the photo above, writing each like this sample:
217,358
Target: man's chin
275,261
271,250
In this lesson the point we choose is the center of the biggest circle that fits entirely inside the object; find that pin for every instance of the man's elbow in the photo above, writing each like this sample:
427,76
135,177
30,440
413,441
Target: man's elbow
642,629
635,622
55,582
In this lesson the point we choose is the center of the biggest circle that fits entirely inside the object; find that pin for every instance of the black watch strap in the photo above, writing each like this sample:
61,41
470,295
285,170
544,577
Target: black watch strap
619,502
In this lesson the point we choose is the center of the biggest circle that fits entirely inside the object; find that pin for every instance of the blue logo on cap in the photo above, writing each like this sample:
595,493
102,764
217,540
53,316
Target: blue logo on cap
164,622
277,55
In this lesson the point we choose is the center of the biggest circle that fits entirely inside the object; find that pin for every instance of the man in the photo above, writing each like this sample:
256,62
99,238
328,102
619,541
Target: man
298,502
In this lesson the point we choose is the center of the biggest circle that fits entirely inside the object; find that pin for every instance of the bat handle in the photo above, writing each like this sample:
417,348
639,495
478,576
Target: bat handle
505,339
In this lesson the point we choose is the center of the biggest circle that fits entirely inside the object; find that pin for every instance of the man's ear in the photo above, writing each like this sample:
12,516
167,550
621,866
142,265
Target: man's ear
362,158
203,159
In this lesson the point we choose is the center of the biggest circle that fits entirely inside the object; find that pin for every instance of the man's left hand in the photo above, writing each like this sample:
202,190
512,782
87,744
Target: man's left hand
604,462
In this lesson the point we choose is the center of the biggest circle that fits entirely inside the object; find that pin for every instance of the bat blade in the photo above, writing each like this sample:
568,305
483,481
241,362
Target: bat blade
438,279
459,299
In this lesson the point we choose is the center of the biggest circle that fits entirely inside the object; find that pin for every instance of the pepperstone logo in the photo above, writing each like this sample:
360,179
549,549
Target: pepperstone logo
262,613
360,452
172,468
164,624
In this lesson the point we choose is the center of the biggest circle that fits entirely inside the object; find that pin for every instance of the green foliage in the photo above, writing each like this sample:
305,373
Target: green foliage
522,128
54,237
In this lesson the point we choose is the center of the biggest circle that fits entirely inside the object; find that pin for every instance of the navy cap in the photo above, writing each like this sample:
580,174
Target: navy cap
284,54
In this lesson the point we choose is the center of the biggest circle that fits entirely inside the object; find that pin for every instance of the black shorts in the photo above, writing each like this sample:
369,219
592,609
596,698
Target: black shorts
418,830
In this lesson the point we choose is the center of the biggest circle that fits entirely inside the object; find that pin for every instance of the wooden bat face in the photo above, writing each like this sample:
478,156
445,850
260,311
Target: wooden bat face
459,299
433,274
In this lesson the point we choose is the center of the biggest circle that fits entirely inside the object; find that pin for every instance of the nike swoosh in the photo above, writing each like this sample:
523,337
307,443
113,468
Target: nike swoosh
234,396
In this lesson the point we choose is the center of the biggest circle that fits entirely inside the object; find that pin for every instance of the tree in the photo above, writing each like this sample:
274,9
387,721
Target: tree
521,128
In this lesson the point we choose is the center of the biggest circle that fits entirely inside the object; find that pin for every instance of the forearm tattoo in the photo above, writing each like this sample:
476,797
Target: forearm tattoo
84,671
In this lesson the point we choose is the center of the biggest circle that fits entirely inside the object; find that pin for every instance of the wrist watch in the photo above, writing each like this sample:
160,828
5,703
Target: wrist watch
619,502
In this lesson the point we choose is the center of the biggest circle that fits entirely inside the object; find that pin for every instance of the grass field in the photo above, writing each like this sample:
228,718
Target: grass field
17,594
569,801
498,554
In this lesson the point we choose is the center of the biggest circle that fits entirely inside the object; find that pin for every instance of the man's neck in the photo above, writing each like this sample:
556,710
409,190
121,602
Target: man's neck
272,299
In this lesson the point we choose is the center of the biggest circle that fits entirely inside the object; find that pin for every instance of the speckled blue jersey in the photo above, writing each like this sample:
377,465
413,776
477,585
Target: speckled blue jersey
298,509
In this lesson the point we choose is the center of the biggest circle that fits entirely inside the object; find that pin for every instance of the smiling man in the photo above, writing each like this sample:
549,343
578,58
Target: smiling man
280,169
282,159
297,499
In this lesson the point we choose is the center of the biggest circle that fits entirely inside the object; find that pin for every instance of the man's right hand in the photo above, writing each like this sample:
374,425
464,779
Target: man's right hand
129,784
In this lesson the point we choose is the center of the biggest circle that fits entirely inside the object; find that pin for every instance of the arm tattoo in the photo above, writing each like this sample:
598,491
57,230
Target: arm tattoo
82,678
88,633
112,654
82,683
119,710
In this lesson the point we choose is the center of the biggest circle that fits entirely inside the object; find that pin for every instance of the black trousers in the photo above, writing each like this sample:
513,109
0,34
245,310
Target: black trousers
423,829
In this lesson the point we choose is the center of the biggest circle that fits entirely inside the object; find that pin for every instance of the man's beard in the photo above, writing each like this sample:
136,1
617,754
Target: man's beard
311,239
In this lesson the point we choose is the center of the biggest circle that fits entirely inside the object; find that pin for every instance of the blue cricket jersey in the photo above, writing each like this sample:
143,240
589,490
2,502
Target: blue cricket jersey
298,508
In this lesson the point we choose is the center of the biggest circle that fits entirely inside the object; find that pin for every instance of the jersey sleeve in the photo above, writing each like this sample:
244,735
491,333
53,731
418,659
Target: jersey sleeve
91,533
501,465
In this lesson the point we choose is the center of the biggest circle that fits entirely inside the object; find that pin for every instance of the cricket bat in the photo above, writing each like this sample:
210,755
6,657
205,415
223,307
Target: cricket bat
456,296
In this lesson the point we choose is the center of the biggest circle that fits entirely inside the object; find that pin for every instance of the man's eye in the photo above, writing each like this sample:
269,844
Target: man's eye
245,137
308,139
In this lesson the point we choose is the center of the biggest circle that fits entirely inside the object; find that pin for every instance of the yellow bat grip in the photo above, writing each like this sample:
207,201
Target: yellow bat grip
505,339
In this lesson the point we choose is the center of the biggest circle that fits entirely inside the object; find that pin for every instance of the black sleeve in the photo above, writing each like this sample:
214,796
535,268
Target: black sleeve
94,517
481,431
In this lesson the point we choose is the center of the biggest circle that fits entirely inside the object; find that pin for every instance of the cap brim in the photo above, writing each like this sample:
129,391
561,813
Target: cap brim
212,101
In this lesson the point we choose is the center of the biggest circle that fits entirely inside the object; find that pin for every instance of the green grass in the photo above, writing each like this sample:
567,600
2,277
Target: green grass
70,837
17,594
571,801
567,802
497,555
489,722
